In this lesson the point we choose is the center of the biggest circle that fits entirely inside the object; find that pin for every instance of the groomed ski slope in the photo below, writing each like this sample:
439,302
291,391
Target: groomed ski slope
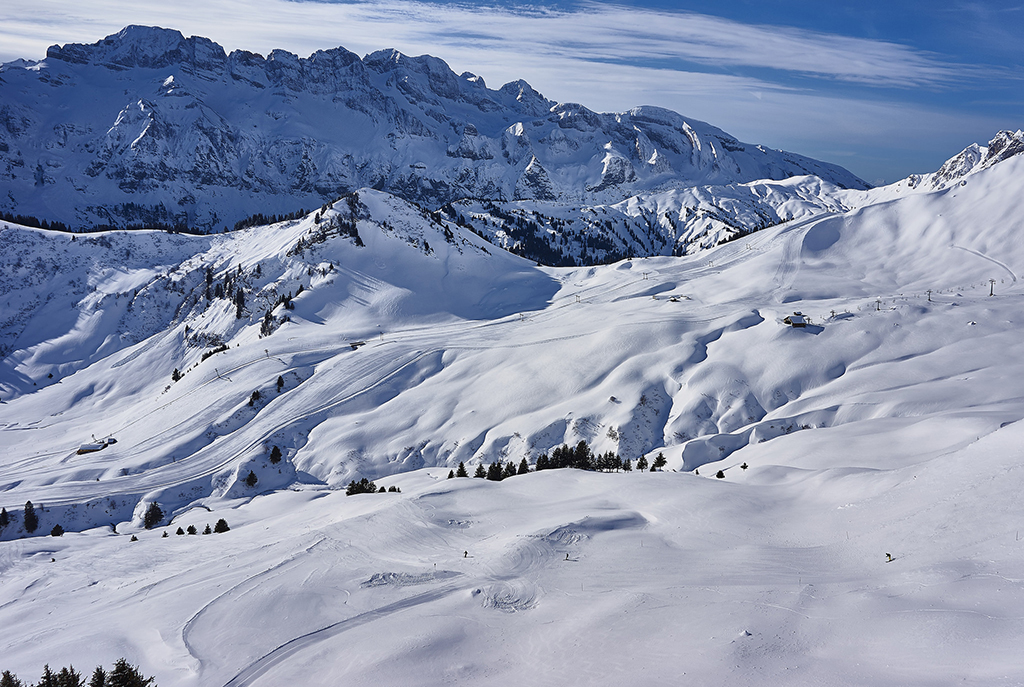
889,427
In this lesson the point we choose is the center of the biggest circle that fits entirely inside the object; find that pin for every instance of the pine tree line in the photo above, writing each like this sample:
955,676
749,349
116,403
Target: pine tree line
123,674
579,457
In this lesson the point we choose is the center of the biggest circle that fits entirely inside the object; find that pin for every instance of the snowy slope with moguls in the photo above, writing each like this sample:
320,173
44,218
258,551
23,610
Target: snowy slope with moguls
148,127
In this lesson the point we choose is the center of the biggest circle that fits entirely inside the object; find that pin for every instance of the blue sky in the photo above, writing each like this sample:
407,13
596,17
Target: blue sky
883,88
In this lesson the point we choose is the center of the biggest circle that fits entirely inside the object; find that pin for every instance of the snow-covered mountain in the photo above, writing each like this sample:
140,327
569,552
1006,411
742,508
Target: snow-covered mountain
683,221
375,339
840,503
374,309
147,127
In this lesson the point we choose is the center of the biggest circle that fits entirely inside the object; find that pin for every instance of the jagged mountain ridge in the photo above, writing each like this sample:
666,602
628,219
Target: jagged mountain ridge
147,126
686,220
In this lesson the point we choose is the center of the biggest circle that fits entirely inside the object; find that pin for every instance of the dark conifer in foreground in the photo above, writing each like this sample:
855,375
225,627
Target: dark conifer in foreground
641,463
9,679
57,531
99,677
5,519
461,471
191,529
275,455
524,467
48,679
69,677
180,531
221,526
250,480
125,674
480,471
451,474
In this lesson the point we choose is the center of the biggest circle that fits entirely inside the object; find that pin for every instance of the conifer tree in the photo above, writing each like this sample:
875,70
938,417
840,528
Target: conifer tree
480,471
509,471
582,458
48,679
251,479
208,530
124,674
659,462
280,383
99,677
5,519
451,474
627,466
267,327
69,677
275,455
31,519
524,467
57,531
239,303
191,529
180,531
154,514
461,471
641,463
543,462
9,679
221,526
494,471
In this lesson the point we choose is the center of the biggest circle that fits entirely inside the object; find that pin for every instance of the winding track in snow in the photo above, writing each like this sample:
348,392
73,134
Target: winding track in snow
990,259
251,673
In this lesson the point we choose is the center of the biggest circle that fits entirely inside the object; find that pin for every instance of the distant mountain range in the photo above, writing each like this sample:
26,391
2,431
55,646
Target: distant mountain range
149,128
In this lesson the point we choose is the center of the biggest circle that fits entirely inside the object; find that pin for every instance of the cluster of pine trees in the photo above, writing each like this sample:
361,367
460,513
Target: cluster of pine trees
220,527
579,457
123,674
365,486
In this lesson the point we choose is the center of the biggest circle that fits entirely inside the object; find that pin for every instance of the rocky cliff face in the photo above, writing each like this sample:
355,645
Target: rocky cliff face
147,126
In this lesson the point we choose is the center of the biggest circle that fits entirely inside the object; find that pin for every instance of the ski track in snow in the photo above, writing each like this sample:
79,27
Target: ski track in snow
990,259
250,674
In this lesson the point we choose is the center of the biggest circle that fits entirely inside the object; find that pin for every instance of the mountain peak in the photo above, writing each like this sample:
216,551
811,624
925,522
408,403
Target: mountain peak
144,47
975,157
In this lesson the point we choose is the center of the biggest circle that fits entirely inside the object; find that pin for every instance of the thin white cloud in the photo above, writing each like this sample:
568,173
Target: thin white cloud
595,32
